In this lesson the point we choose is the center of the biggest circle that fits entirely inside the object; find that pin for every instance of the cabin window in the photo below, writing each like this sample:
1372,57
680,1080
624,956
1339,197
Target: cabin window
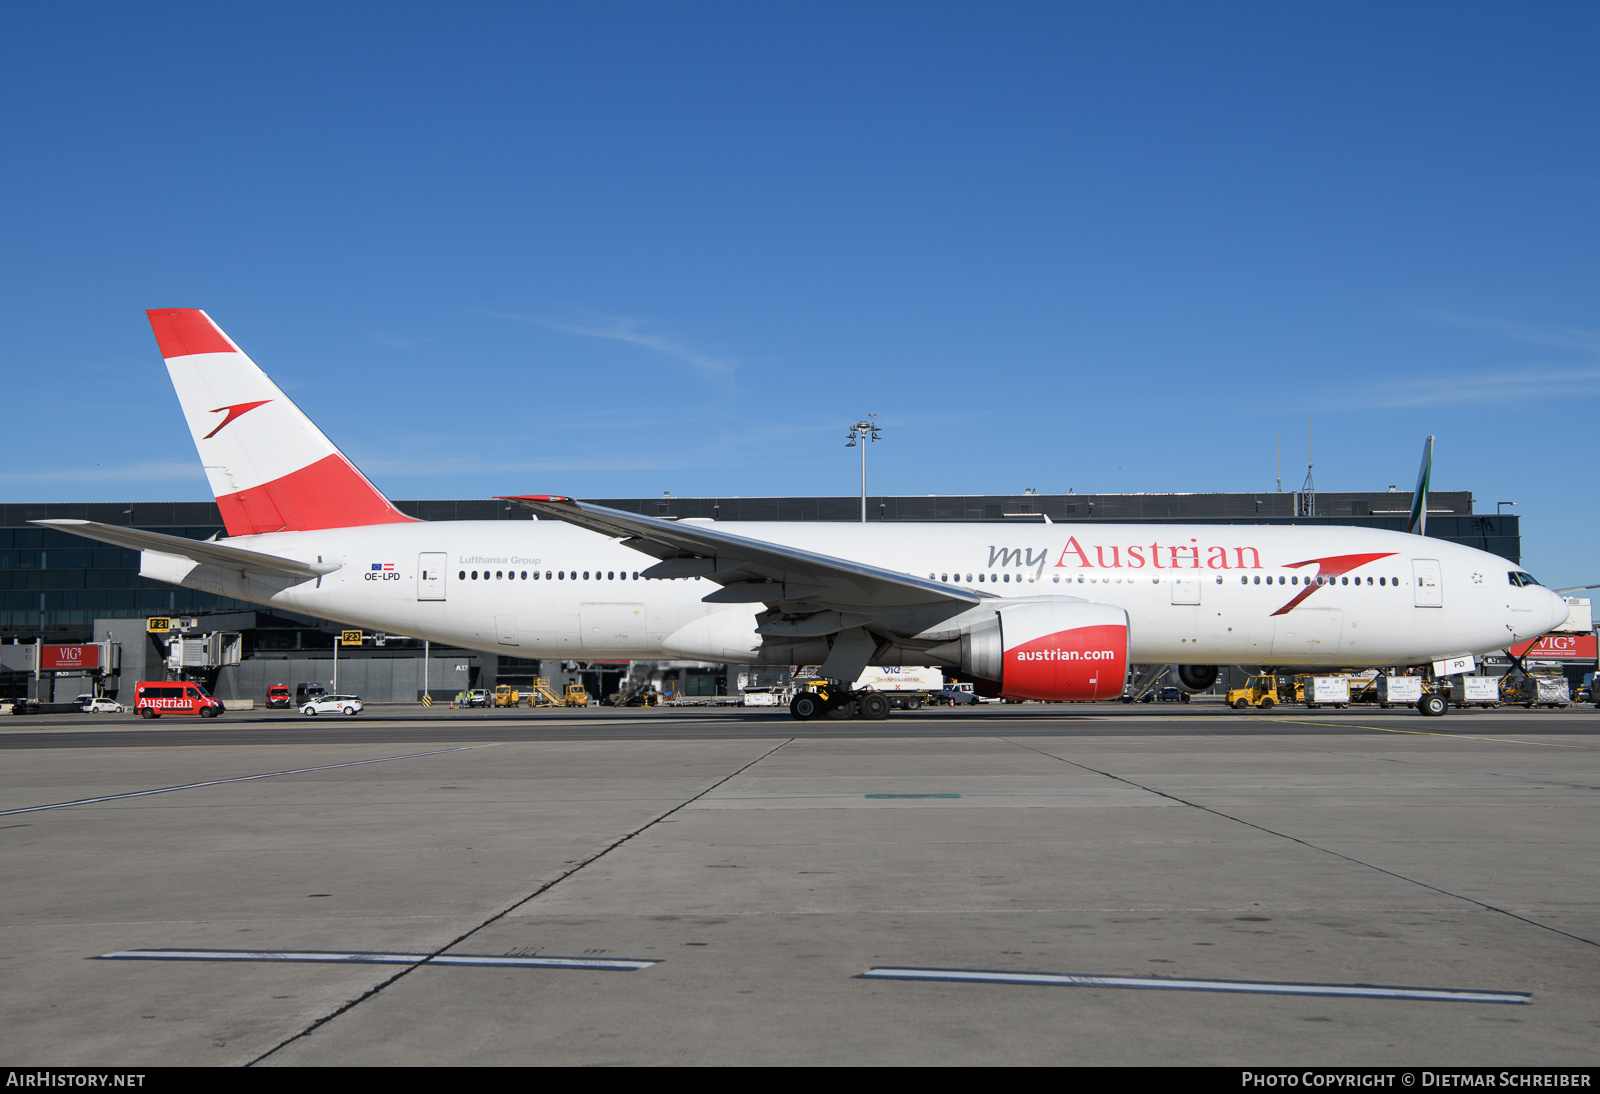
462,575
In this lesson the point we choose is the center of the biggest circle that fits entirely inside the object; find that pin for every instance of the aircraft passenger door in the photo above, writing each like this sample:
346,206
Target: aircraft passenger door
430,575
1186,590
1427,583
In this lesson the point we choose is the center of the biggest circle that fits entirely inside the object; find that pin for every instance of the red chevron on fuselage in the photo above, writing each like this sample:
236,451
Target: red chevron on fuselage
1330,568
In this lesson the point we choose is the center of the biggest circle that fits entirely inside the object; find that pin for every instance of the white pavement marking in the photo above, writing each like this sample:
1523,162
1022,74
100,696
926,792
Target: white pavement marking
222,782
1357,991
362,958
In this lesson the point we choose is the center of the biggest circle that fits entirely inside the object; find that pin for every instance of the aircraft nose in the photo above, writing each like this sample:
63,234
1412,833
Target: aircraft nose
1559,610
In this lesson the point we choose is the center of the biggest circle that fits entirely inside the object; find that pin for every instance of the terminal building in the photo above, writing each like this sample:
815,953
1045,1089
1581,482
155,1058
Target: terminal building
57,589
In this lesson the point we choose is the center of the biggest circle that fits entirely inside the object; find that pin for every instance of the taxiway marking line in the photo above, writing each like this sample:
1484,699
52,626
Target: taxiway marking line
1436,733
223,782
1258,987
357,957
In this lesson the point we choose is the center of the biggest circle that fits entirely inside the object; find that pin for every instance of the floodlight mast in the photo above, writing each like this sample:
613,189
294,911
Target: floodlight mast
865,431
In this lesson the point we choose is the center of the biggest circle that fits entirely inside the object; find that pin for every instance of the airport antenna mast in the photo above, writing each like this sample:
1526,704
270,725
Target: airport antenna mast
864,431
1308,504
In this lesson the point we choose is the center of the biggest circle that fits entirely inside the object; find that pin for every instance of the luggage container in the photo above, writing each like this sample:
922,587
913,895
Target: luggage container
1477,691
1328,691
1536,691
1396,691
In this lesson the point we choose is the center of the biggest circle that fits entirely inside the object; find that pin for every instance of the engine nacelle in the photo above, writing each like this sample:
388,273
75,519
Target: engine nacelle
730,635
1197,677
1054,648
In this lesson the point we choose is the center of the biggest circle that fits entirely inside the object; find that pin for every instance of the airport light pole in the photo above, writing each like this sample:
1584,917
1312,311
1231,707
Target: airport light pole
863,431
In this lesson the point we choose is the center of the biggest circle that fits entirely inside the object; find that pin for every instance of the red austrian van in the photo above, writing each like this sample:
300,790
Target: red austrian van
154,698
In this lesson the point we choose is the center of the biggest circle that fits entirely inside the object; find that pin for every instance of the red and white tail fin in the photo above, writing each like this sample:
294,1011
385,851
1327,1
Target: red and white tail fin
271,469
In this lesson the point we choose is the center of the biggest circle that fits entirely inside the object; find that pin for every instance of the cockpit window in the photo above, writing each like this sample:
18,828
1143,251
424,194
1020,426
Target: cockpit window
1519,579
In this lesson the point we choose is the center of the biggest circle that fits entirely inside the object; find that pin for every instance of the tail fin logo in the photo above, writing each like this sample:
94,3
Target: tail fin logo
233,412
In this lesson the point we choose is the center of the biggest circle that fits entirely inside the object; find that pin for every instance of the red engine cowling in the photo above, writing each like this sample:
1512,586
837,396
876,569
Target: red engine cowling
1053,649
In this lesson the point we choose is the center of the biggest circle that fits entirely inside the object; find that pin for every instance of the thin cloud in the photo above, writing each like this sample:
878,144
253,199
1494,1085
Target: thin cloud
433,468
1537,334
615,329
143,472
1517,384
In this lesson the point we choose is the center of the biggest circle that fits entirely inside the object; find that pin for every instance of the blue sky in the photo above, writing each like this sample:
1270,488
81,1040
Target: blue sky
612,249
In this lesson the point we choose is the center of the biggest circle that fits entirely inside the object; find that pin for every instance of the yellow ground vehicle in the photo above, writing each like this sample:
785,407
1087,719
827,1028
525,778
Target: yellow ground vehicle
1258,691
541,695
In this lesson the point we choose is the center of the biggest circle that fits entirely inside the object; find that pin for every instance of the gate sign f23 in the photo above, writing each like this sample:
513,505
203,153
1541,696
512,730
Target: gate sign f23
66,658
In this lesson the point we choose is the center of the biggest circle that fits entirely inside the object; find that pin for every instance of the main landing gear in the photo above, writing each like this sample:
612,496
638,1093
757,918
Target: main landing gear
839,703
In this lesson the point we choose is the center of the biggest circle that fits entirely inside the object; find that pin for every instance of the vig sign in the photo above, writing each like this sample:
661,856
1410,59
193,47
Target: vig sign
1558,647
66,658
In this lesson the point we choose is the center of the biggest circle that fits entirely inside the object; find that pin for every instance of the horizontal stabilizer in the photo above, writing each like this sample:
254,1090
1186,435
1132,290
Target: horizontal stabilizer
211,554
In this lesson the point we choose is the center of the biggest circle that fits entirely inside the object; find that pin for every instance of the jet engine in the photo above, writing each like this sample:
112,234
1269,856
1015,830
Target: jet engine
1052,648
1197,677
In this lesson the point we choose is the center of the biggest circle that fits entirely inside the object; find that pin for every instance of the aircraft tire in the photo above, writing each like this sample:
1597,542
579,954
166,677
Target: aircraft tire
1432,706
805,706
841,709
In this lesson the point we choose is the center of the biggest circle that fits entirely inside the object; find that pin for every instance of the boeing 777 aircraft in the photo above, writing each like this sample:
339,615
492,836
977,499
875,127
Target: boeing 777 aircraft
1054,612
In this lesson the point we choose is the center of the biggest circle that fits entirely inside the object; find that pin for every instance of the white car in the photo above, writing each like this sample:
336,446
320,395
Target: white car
103,706
332,704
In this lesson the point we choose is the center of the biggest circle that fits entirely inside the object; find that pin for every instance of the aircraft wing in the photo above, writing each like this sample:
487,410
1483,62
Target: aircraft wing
753,571
212,554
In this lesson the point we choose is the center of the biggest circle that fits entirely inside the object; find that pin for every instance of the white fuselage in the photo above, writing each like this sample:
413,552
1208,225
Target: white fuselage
1194,594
